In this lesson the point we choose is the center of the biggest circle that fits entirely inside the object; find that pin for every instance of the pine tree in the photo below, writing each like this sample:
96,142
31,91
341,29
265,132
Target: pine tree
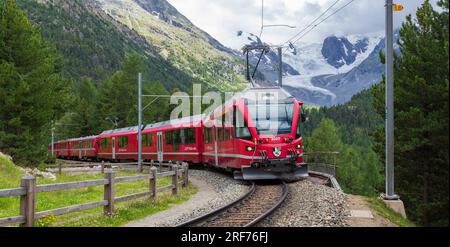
421,115
33,89
159,110
85,116
118,95
349,172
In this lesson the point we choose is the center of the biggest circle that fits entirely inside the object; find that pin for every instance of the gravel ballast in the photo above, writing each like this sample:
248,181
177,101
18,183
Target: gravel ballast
310,205
225,190
307,204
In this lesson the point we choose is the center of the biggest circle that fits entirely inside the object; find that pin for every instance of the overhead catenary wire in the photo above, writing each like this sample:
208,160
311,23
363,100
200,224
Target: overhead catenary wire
312,27
339,9
312,23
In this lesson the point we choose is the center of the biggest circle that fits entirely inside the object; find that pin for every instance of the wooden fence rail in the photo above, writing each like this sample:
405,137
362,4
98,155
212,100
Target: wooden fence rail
101,166
28,190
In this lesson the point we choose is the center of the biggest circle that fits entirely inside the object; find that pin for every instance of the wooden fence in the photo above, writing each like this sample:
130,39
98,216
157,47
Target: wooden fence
101,166
28,190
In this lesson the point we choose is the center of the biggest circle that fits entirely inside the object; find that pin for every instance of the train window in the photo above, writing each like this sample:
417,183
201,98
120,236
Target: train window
147,140
190,136
176,137
299,132
208,135
272,119
301,119
243,133
240,125
226,134
219,132
183,136
104,143
169,137
123,141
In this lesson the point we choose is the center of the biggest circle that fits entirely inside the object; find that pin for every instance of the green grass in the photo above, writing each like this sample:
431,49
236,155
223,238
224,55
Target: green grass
126,211
380,207
10,178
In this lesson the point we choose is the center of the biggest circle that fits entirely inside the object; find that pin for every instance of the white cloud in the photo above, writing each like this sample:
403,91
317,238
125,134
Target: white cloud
222,18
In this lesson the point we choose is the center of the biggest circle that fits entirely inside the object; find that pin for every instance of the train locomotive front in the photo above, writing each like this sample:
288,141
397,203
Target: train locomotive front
266,139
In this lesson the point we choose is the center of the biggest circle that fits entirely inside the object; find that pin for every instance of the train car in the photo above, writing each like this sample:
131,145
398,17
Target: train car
61,149
176,140
84,148
257,134
118,144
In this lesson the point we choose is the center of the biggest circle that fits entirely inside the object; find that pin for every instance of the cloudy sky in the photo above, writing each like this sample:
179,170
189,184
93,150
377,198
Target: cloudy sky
223,18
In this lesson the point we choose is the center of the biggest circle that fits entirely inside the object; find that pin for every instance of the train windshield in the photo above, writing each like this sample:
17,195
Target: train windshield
272,119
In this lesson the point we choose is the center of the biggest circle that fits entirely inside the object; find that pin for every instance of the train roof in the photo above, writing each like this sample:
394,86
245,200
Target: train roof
255,94
121,130
263,93
82,138
192,121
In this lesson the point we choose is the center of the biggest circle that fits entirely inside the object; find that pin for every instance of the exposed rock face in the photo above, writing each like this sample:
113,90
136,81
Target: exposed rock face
339,51
337,69
268,66
38,173
186,46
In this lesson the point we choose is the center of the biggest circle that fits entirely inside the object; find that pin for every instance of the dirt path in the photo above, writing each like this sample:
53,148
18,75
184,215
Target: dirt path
204,194
363,216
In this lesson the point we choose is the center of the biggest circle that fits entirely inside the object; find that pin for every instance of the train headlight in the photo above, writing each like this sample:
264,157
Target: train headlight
250,149
299,146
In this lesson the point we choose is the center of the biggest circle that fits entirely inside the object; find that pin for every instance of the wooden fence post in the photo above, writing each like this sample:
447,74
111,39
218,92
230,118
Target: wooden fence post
103,166
109,193
27,201
60,168
185,175
152,182
175,179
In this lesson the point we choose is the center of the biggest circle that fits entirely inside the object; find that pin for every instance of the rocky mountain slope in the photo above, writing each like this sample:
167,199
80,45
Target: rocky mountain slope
178,41
93,45
94,37
332,72
268,66
326,73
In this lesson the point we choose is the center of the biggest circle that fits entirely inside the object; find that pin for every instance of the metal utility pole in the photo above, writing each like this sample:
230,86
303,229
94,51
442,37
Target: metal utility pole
140,122
389,103
53,141
280,67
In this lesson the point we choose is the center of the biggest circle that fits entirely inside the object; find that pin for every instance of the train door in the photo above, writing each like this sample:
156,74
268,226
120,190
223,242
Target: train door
159,146
216,155
113,145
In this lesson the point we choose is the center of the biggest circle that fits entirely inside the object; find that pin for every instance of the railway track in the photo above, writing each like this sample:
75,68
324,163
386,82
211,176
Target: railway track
255,205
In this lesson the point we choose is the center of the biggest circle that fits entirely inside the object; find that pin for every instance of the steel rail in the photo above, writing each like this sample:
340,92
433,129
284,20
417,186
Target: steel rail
216,213
219,210
268,212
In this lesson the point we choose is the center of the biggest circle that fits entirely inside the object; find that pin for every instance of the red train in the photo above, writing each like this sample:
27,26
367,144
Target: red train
256,135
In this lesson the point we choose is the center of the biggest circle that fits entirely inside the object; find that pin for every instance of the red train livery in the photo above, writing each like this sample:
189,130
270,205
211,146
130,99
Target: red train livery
255,134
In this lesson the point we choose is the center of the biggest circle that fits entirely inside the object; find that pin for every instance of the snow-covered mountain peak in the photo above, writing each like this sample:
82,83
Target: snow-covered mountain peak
335,55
